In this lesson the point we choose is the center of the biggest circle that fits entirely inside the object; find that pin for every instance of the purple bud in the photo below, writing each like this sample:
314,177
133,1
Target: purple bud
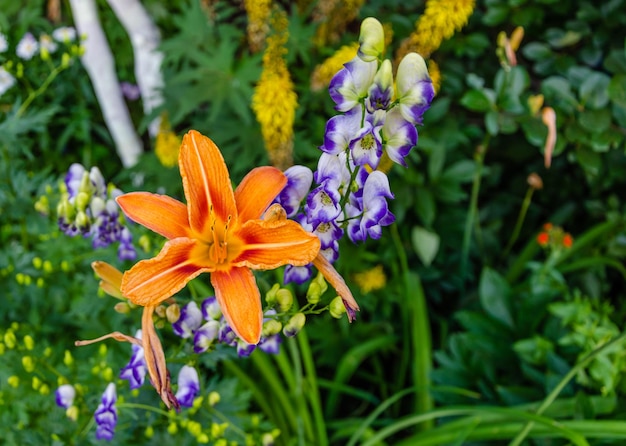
188,386
65,395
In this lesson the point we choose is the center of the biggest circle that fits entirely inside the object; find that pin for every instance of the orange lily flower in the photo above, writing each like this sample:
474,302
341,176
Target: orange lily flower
219,231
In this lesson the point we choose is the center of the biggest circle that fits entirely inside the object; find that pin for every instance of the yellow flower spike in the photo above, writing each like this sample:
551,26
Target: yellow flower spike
371,280
111,278
258,22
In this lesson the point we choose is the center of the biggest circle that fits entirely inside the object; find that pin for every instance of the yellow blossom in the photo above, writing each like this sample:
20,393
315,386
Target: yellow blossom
167,144
258,22
441,19
333,17
325,71
435,75
274,101
371,280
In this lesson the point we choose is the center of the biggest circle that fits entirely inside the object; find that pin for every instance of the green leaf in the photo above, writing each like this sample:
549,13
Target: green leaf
594,90
537,51
476,100
494,294
436,161
491,122
426,206
617,90
595,121
425,244
461,171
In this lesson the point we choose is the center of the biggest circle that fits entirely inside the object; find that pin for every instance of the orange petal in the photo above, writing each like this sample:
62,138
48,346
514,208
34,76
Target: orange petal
152,281
268,244
334,278
206,182
160,213
240,301
257,191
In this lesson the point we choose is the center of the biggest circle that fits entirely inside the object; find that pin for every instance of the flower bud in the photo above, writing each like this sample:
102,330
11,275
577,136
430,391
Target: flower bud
337,308
270,296
29,363
284,299
214,398
172,313
122,307
294,325
313,293
29,342
271,327
72,413
68,360
371,40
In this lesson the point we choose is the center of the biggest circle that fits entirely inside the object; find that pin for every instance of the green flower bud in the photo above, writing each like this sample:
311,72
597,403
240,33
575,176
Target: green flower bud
68,360
28,363
337,308
9,339
313,293
172,313
13,381
29,342
122,307
294,325
213,398
172,428
284,299
371,40
72,413
270,296
271,327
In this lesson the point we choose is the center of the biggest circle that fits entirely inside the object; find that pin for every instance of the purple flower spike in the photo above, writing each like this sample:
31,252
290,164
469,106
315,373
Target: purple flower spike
299,179
188,386
400,136
204,336
351,83
65,395
135,371
106,414
211,309
190,319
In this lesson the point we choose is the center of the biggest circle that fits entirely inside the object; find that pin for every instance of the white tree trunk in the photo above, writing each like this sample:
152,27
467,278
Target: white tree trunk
99,63
145,39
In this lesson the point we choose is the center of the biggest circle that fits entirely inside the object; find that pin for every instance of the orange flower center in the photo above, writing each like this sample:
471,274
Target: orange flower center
220,246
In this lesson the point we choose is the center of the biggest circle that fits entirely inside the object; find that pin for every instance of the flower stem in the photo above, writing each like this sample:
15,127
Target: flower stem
520,220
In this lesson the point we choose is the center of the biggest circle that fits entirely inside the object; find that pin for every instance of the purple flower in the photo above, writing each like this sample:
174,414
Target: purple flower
211,309
126,249
106,414
299,179
297,274
204,336
65,395
322,205
366,147
328,233
135,371
271,344
190,319
130,91
340,130
188,386
415,89
381,91
350,85
374,212
244,349
399,135
227,335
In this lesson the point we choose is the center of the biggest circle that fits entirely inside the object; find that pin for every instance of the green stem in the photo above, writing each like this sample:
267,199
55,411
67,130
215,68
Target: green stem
313,392
561,385
305,430
520,220
33,94
420,336
472,211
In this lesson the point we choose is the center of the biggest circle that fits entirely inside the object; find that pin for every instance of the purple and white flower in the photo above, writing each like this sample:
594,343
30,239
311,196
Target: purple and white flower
135,371
46,43
27,47
211,309
6,80
399,136
188,386
374,211
65,395
381,91
299,179
190,320
205,336
64,34
106,414
415,89
350,85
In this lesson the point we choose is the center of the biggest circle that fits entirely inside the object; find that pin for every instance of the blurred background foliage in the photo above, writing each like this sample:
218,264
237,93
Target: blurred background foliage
504,318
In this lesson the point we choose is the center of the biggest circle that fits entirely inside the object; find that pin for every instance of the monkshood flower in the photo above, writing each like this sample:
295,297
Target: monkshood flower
106,414
27,47
373,212
65,395
6,80
188,386
299,180
415,89
135,371
189,321
87,207
205,336
371,40
349,87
